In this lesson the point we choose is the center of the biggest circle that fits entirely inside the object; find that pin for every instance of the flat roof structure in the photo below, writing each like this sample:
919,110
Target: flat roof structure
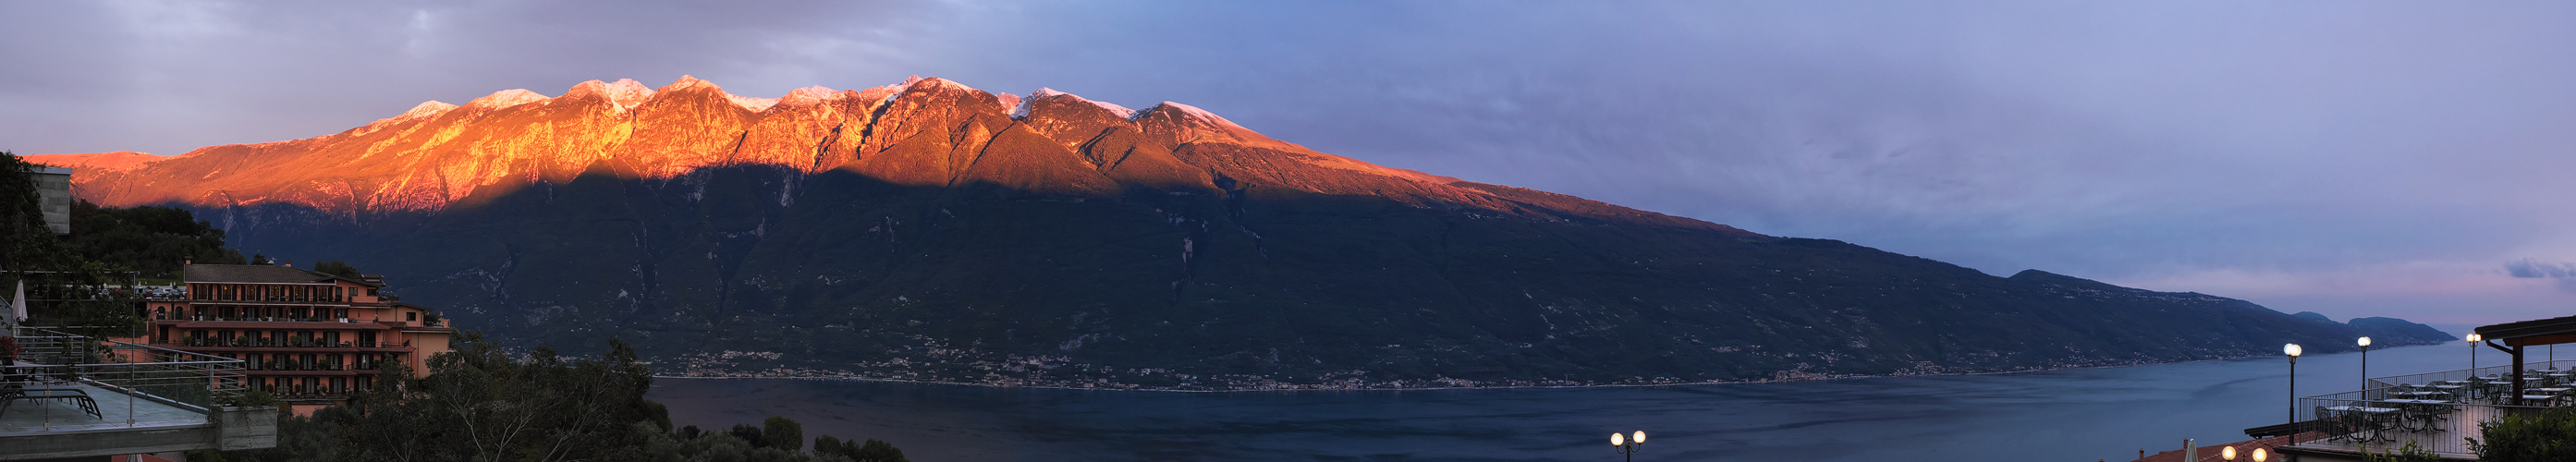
71,398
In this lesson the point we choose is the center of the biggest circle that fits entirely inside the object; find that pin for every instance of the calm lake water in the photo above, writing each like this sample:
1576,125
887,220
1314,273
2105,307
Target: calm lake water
2067,415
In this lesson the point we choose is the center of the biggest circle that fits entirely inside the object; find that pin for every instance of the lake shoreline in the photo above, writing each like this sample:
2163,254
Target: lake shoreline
1136,388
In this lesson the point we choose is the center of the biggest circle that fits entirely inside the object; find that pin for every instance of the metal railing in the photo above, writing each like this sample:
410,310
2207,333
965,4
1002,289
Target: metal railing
290,342
2437,411
2380,426
320,319
191,381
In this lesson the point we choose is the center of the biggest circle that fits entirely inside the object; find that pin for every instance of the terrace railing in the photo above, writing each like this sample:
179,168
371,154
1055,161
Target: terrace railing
186,380
2437,411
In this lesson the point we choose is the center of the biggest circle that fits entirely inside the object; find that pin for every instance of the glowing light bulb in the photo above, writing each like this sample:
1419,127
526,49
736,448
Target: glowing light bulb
1618,439
2290,349
1640,438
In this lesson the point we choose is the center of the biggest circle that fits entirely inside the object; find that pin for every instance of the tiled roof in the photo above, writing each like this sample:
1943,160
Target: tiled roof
257,274
2244,450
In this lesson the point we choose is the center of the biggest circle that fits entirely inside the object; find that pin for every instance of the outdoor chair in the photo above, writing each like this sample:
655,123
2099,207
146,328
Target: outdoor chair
42,394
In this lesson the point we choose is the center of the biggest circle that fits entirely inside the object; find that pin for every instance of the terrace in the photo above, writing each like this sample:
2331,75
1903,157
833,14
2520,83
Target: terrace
73,396
2438,412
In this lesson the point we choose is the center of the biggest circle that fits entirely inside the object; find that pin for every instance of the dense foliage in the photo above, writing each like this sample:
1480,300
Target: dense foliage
2549,436
151,241
74,287
2411,452
337,268
482,403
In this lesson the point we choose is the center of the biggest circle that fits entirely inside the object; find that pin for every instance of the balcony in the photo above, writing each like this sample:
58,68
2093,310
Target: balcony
132,396
330,320
291,342
263,298
2437,411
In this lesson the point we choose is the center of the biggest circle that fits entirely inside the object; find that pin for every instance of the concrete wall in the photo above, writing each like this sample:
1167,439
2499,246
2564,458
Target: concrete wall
232,429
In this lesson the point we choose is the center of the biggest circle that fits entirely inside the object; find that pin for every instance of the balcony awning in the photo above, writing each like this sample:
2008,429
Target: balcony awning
2535,332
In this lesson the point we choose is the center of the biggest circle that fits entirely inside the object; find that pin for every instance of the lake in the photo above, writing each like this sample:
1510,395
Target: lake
2063,415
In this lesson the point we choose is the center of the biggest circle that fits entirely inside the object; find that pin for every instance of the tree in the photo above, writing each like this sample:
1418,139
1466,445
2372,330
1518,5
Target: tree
337,268
84,286
24,240
152,241
870,451
481,403
260,259
783,433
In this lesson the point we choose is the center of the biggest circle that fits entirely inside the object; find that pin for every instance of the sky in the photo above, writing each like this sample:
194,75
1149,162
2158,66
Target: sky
2353,158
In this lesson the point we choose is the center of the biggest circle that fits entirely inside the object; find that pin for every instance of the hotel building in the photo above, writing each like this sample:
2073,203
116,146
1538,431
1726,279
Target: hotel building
309,338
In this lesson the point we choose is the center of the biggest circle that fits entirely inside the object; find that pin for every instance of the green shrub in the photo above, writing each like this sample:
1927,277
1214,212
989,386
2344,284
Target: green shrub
2550,436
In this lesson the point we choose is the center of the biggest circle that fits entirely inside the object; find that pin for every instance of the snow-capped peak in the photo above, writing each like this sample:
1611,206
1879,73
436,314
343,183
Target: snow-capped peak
627,92
1193,112
809,95
426,109
1042,93
506,98
899,88
689,81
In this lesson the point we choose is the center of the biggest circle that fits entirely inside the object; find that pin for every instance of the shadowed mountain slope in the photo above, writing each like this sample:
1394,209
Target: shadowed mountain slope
932,231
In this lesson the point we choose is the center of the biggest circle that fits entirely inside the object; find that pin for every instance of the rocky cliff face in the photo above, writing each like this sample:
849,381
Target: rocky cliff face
933,231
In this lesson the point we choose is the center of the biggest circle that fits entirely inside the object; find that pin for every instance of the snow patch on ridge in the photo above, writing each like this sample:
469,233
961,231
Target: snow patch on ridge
1122,111
627,93
429,108
1021,111
808,96
689,81
1015,102
899,89
506,98
1201,114
751,103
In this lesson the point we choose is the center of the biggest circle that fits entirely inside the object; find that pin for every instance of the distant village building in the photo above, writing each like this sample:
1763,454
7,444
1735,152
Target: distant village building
312,339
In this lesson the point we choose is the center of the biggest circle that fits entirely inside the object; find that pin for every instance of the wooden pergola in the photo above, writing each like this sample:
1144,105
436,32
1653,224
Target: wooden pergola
2516,335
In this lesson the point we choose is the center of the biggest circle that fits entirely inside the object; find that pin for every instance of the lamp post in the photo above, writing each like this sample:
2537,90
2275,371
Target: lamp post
2293,351
2473,355
2365,368
1626,446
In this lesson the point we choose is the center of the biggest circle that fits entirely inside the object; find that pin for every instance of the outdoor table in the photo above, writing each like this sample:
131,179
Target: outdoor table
2418,394
2423,412
2375,418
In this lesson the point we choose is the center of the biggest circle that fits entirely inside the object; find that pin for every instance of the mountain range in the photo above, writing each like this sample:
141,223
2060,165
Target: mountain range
932,231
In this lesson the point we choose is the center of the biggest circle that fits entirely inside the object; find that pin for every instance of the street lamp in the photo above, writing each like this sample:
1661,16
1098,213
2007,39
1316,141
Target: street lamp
2293,351
1626,446
2365,367
2473,354
2259,455
2229,453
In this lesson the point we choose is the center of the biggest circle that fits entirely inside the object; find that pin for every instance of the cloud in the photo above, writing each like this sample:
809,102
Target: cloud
2314,145
2526,268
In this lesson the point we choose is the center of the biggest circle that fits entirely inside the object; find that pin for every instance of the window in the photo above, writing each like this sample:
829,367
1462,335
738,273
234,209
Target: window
411,316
